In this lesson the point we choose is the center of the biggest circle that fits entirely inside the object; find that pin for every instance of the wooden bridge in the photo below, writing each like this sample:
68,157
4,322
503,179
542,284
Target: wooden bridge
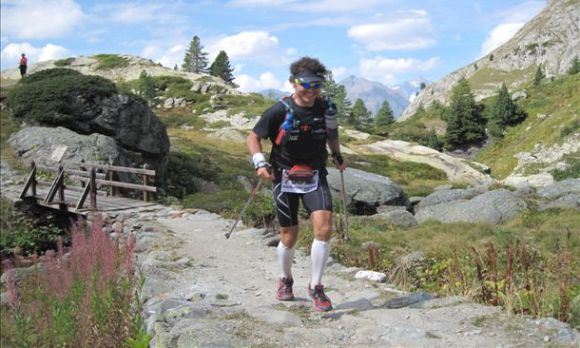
87,187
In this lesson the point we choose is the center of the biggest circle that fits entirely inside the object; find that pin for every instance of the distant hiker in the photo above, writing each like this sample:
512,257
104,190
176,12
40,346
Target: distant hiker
300,127
23,64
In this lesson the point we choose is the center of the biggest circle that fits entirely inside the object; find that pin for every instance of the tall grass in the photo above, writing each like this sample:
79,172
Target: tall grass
86,298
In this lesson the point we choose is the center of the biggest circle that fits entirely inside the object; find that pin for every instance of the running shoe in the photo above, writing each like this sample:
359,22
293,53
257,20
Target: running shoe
320,302
285,289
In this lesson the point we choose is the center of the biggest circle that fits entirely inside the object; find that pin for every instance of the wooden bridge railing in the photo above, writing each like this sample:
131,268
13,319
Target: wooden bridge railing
92,178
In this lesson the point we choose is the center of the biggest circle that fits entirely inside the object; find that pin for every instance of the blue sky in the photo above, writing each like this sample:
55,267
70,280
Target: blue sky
390,41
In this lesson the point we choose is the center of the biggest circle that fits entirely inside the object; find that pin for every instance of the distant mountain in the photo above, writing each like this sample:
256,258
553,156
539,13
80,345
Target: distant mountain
550,40
273,93
410,89
373,94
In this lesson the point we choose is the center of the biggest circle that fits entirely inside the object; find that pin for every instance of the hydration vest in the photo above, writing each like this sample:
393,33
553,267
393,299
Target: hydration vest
291,129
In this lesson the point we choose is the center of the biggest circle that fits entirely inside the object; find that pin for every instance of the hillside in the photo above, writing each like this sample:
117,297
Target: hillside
120,68
550,40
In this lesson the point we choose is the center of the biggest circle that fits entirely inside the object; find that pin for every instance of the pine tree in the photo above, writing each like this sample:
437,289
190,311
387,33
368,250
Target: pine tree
384,118
146,87
504,113
465,124
221,68
539,76
360,117
338,95
195,59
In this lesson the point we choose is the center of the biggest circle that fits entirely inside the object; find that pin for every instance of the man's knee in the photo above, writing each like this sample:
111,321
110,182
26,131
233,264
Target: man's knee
288,236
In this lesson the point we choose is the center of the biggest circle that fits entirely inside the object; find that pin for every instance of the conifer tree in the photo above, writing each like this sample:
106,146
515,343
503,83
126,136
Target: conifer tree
504,113
539,76
146,87
360,117
465,124
338,95
195,59
221,68
384,117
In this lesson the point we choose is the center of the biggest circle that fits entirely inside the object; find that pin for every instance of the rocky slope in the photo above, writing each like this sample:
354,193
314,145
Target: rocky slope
551,39
90,66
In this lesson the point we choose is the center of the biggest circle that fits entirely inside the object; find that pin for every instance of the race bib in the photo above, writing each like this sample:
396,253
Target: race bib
296,186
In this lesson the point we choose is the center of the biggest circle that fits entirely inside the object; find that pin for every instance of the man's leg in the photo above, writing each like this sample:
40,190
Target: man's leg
322,225
319,203
287,212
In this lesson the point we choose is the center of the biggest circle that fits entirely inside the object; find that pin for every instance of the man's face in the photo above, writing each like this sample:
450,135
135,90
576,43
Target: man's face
306,93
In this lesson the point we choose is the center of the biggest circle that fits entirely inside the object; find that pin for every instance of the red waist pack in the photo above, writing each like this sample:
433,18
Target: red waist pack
300,172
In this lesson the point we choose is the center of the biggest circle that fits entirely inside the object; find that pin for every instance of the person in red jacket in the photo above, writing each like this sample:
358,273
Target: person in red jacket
23,64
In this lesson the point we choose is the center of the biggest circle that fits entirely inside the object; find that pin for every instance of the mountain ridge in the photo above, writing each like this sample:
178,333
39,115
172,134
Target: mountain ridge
551,40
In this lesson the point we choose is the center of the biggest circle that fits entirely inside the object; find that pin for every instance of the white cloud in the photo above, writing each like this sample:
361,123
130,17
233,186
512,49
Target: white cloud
12,51
29,19
499,35
265,81
167,57
260,3
410,33
386,69
339,71
135,13
311,6
257,46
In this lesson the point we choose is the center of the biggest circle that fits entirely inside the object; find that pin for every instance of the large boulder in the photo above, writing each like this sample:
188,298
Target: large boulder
366,191
447,195
563,194
493,207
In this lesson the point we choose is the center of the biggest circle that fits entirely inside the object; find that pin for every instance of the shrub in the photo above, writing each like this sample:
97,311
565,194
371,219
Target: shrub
86,299
183,169
111,61
572,170
19,231
47,97
64,62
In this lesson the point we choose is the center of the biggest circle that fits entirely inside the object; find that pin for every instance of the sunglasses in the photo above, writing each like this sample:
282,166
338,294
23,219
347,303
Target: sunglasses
309,85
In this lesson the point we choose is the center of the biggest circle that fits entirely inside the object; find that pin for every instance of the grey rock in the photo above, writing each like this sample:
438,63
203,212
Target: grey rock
366,189
494,207
399,218
445,195
568,201
404,301
559,189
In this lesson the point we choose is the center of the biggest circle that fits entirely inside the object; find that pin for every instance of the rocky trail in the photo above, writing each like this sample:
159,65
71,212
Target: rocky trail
203,290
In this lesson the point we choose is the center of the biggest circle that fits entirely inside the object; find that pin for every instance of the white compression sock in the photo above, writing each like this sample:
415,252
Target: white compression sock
319,255
285,258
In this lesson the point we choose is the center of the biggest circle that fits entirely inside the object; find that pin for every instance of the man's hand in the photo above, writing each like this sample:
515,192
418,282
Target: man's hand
265,173
263,168
339,162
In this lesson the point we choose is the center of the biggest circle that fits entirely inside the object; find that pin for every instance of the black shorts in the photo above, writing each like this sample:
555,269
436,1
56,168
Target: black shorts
287,203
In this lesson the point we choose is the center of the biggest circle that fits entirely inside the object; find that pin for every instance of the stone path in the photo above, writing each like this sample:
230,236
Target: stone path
203,290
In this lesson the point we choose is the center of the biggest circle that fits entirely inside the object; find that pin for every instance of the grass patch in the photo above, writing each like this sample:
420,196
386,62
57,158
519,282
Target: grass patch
110,61
460,259
486,77
572,171
64,62
417,179
557,99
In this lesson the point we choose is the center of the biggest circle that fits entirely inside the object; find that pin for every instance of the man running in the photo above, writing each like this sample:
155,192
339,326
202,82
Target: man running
300,127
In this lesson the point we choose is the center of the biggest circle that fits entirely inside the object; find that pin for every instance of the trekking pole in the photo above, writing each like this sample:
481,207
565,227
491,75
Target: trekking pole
252,195
343,192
